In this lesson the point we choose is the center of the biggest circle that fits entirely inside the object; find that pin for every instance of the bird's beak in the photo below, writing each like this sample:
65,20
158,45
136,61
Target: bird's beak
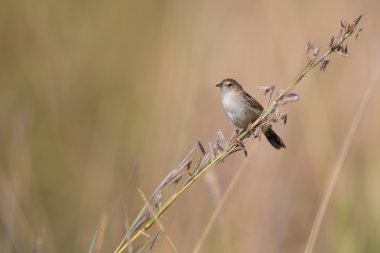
219,85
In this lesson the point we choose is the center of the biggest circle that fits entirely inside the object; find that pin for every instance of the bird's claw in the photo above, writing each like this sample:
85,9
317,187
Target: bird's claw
240,144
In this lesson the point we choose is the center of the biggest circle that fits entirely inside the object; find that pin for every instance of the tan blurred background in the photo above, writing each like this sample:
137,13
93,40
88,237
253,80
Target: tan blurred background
99,98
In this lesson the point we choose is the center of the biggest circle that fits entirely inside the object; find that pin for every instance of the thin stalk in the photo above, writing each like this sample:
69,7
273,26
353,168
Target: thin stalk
243,136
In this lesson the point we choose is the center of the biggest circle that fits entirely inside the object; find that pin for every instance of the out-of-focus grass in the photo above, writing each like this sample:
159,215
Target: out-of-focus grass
99,98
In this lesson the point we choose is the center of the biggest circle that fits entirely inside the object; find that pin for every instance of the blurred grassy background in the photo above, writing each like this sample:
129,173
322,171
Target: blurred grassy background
98,98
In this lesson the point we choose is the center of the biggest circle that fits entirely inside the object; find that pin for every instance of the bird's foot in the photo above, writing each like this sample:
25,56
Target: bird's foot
239,143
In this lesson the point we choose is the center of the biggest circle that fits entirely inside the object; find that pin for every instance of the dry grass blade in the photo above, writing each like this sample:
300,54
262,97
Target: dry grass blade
337,169
97,240
39,241
150,243
160,225
220,205
126,225
173,177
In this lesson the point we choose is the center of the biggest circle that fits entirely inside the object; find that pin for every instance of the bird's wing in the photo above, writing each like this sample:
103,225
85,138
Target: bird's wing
253,102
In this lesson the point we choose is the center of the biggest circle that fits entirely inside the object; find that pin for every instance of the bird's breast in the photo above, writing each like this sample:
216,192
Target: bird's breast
238,110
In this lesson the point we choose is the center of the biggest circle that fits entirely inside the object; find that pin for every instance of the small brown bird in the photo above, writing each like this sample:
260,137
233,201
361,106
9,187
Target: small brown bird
242,109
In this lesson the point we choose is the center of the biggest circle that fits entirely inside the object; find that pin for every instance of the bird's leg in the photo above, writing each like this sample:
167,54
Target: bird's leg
255,132
236,135
240,143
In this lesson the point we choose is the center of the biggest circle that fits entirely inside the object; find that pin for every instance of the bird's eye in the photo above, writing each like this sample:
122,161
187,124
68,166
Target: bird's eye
229,84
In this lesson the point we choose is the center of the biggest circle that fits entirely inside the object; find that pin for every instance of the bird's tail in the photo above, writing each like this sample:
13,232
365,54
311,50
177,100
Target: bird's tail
273,138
